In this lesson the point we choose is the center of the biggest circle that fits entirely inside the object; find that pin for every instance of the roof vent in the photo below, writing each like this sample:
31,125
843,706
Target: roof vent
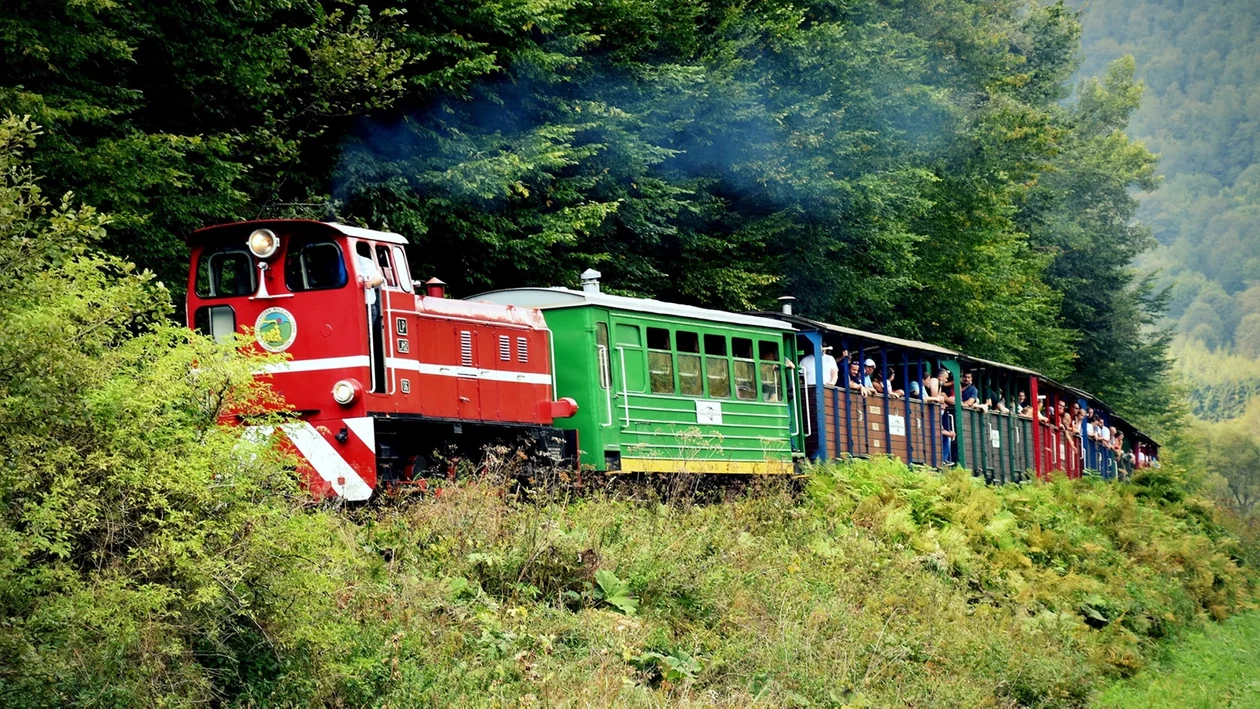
590,280
435,288
785,303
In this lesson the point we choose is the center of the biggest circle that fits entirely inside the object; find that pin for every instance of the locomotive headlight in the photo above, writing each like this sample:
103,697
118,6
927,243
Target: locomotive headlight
344,391
263,243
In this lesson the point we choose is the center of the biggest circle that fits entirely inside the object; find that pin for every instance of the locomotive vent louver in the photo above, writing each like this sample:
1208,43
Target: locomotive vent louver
590,280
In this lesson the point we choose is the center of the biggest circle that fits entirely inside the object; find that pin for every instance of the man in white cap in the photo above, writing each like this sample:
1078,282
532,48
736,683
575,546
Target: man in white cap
866,375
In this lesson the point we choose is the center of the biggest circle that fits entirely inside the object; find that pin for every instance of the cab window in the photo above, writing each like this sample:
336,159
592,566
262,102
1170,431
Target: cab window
314,265
387,268
404,272
217,321
226,271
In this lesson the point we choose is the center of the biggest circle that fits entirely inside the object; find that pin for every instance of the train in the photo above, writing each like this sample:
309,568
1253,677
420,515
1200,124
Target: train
381,371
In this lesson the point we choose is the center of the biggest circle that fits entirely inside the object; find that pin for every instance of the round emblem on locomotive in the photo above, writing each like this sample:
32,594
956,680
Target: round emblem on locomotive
275,329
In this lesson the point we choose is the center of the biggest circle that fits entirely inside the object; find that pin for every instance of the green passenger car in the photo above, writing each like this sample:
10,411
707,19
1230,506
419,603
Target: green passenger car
663,387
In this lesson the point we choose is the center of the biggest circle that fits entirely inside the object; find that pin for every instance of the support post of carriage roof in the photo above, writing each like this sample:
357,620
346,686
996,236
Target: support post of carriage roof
816,341
848,401
931,419
955,373
1012,425
982,428
909,428
883,372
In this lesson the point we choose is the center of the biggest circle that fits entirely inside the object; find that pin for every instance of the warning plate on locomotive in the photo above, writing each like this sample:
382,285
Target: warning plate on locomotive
275,329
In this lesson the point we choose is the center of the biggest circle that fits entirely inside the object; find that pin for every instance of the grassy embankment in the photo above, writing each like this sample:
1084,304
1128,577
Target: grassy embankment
1217,667
877,585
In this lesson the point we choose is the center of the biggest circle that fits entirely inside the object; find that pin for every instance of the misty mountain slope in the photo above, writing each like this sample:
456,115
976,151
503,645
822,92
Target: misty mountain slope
1200,62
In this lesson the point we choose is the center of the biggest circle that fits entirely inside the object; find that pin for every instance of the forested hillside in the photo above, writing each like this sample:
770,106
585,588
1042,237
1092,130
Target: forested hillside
926,169
1200,62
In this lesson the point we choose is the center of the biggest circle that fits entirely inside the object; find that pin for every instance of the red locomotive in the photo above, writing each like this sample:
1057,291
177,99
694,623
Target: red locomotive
380,374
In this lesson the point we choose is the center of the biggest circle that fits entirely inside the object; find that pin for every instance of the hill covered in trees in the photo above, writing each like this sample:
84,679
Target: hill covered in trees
926,169
1200,63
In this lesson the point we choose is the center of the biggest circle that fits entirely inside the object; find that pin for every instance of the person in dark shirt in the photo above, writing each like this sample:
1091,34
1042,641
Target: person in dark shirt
970,395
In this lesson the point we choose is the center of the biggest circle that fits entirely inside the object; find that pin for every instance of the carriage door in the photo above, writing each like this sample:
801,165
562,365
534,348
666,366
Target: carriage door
365,264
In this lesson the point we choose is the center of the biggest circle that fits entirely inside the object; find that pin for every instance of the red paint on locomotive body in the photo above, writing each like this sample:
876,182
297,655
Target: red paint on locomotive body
407,356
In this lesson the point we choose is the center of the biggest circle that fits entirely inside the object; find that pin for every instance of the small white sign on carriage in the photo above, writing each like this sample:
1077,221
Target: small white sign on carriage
709,412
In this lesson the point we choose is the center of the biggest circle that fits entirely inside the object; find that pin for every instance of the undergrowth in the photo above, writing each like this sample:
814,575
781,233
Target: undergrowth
871,585
879,585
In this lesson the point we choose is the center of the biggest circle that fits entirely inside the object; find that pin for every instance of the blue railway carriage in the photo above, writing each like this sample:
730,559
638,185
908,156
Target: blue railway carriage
861,395
664,387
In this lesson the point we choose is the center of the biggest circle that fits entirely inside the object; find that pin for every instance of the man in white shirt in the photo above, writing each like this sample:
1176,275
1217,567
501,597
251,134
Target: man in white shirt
369,275
831,369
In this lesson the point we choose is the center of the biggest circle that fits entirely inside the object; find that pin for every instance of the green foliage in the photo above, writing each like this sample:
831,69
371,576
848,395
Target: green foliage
147,552
675,666
614,592
1197,62
1220,385
1212,668
911,168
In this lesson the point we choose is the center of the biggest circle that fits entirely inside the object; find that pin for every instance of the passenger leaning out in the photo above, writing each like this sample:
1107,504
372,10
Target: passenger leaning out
971,395
856,380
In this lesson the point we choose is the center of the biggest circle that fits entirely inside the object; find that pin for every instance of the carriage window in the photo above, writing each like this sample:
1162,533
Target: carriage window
745,371
661,367
404,271
601,345
315,265
715,345
387,269
745,380
688,341
771,386
690,378
717,369
628,335
218,321
660,364
658,338
226,271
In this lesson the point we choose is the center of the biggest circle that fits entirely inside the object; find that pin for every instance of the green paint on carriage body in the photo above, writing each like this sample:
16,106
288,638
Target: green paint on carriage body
663,387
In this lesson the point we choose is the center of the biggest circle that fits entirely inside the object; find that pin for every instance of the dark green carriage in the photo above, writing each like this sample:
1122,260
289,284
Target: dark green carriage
663,387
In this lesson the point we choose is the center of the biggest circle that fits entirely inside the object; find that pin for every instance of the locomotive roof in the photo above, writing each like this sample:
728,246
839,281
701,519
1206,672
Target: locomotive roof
551,298
228,230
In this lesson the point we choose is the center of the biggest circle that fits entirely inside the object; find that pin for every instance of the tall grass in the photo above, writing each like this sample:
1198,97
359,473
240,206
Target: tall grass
875,585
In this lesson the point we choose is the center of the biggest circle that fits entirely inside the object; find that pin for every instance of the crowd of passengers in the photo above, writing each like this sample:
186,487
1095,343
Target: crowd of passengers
864,378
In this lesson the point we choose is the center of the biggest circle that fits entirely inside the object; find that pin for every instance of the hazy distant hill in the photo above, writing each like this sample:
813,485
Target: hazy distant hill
1201,65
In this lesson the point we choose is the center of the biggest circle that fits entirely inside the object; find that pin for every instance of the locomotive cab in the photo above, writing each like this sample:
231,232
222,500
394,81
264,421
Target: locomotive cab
377,372
302,288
